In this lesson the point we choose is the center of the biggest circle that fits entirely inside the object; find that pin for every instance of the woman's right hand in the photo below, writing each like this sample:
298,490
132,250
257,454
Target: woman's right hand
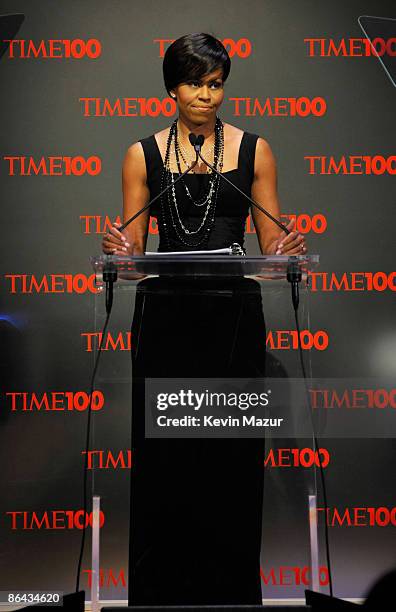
114,242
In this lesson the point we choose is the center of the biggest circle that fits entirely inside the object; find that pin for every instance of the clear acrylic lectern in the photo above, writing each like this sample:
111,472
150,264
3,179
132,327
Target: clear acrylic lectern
234,309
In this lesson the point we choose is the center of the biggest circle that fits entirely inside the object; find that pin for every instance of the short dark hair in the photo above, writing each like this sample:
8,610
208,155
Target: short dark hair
193,56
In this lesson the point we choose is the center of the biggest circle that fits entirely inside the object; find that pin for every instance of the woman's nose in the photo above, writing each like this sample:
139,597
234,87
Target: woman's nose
204,92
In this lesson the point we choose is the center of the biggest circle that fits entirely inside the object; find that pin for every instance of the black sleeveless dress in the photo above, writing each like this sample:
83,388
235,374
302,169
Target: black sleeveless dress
231,208
196,504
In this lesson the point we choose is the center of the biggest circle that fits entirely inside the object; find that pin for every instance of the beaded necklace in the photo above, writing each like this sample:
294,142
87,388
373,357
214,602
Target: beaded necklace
190,237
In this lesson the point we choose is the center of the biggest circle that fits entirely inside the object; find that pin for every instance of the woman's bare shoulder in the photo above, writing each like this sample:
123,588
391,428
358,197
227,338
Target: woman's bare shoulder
264,161
236,132
136,148
232,132
134,160
162,138
162,133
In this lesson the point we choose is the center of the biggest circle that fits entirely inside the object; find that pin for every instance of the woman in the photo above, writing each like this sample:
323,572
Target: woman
195,70
196,504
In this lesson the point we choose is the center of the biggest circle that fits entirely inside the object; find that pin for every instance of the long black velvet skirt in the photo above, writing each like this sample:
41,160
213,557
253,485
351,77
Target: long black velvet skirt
196,504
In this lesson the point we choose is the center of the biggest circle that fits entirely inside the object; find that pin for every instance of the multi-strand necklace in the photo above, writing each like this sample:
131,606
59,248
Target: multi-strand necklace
171,214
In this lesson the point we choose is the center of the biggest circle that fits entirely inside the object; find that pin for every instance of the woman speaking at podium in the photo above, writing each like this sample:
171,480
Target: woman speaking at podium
196,504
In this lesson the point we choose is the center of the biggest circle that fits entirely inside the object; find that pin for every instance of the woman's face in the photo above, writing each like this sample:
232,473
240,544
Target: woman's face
198,101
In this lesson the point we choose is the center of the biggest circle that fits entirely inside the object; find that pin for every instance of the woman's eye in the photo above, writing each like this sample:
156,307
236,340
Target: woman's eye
215,85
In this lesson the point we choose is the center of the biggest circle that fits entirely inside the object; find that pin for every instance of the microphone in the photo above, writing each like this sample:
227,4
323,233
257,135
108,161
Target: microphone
196,141
200,139
109,277
293,273
294,276
109,269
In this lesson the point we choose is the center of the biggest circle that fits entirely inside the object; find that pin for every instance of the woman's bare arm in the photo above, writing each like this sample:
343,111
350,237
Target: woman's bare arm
132,240
135,195
272,241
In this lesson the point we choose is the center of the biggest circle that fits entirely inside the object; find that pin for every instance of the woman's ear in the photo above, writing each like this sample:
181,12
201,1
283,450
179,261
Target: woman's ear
172,93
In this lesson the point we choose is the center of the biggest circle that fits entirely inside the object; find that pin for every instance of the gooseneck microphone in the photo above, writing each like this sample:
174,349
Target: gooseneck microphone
293,272
197,142
109,269
146,206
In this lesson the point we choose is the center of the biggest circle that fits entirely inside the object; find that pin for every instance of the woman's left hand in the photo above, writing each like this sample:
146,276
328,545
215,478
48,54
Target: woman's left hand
288,244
